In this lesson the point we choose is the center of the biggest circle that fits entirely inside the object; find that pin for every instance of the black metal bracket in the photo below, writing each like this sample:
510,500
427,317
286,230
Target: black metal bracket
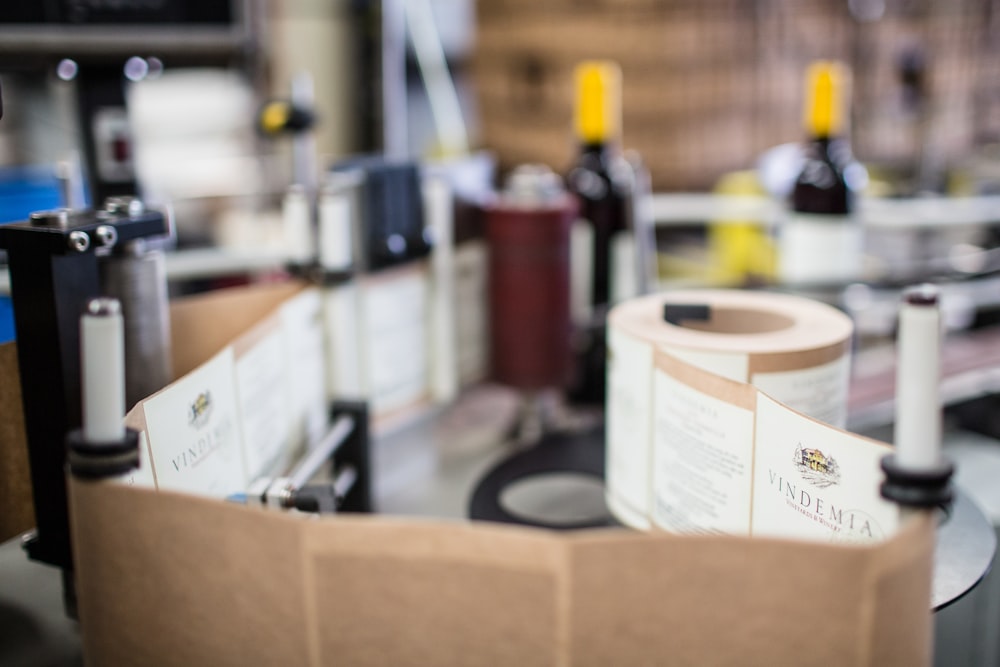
54,272
356,453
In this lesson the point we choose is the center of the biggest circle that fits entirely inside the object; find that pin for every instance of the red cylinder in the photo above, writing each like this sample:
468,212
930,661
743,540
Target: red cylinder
529,290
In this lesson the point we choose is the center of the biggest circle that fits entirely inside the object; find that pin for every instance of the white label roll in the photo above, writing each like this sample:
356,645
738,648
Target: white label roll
795,350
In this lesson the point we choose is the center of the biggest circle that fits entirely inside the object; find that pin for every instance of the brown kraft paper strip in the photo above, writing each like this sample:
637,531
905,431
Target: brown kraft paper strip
170,579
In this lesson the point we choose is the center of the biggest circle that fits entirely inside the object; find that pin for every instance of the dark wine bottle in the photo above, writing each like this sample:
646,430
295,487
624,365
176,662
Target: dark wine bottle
822,240
602,180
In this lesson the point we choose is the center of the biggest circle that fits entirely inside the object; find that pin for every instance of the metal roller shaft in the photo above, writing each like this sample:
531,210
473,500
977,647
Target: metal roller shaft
137,278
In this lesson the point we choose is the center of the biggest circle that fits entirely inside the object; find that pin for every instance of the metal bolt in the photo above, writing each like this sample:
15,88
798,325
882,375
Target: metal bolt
78,241
124,205
58,217
104,307
107,235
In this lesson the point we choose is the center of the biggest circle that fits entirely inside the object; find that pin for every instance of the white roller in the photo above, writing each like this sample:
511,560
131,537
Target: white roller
335,231
102,351
918,371
297,216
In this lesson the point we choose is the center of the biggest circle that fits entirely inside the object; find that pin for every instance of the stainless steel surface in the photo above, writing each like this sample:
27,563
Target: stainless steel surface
321,453
34,629
913,213
966,545
393,106
344,481
305,159
137,278
124,205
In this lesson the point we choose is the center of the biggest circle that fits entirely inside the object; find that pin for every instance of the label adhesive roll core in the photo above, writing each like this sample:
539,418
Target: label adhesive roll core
724,411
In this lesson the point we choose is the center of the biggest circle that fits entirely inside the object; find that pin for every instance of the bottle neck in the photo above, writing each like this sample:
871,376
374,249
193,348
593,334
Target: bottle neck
833,147
600,149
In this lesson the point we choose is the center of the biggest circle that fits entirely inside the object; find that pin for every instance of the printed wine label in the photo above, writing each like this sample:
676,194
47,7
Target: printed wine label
820,249
702,461
262,390
630,366
728,458
816,482
193,427
396,338
302,323
729,365
820,392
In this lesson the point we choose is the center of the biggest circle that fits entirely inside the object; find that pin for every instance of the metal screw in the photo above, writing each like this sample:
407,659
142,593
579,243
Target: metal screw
58,217
104,307
124,205
78,241
107,235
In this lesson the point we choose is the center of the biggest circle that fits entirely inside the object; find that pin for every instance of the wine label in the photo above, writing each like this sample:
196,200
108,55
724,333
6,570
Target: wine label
820,392
815,482
624,263
820,249
726,463
302,324
702,460
193,430
630,366
472,334
730,365
345,372
581,268
396,337
262,391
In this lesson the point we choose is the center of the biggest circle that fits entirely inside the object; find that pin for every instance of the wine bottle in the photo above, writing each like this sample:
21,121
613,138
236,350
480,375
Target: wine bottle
821,241
601,244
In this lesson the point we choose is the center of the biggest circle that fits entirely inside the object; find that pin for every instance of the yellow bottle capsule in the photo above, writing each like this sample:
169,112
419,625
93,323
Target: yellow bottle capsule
274,116
824,107
598,101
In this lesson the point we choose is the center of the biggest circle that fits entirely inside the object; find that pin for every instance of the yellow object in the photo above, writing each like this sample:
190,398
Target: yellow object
598,100
274,116
740,251
825,96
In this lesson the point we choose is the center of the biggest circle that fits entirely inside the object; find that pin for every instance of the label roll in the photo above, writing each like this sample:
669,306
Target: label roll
688,397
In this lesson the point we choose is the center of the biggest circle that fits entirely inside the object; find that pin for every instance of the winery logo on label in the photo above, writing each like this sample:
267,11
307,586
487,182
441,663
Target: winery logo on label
200,410
815,467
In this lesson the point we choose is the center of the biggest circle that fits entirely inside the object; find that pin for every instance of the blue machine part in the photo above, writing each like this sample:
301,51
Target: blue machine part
27,189
6,319
22,191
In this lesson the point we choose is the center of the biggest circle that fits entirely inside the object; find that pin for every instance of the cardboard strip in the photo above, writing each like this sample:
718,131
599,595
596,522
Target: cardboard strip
170,579
727,601
18,513
389,592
